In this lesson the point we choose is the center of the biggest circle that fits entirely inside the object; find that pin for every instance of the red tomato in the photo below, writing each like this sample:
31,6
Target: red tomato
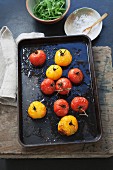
61,107
63,86
75,75
37,58
48,86
79,104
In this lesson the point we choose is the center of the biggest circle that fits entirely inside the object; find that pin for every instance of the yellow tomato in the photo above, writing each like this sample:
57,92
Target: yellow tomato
54,72
63,57
68,125
37,110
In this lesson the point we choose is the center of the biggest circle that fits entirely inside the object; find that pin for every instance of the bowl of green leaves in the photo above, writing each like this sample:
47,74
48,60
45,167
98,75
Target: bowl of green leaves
48,11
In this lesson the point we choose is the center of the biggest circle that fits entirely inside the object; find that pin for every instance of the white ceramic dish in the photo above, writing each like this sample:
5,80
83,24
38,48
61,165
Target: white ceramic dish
81,19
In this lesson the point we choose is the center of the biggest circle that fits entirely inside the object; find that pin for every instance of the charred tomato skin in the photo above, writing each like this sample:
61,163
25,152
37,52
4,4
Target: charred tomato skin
37,58
47,86
63,86
61,107
75,75
68,125
79,104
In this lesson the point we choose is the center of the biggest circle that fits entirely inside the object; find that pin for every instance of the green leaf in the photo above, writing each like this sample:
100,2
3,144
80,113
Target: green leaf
49,9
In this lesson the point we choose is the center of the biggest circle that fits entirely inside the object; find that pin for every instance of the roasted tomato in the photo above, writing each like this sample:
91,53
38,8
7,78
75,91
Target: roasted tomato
37,110
75,75
80,104
37,58
63,57
61,107
63,86
68,125
54,72
48,86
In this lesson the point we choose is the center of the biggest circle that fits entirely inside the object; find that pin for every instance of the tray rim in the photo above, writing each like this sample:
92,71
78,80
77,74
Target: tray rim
99,136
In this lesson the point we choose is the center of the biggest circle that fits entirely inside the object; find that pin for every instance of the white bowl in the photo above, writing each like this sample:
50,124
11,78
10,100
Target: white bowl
81,19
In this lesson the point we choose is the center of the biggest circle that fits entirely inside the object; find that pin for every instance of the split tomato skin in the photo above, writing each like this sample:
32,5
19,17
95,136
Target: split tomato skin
48,86
75,75
79,104
37,58
63,86
61,107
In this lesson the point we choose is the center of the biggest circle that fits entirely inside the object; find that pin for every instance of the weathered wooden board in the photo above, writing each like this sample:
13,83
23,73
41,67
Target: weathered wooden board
10,147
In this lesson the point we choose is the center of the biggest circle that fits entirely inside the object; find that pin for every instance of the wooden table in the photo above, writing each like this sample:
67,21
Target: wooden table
10,147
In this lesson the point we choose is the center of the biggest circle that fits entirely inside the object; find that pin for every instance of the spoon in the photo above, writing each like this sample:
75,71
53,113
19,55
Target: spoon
88,29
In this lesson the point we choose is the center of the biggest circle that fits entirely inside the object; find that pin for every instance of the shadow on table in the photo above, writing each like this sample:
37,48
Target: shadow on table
60,164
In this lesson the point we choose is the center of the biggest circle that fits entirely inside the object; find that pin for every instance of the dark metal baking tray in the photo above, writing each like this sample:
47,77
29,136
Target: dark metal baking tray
44,131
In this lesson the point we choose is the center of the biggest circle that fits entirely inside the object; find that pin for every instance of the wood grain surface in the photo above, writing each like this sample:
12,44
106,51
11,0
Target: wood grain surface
10,147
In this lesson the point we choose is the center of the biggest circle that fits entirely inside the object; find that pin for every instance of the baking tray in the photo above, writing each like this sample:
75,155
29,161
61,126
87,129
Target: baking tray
44,131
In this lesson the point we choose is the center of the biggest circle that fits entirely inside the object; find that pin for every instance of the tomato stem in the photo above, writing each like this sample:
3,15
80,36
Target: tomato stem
36,52
54,69
84,113
34,108
63,106
62,53
71,123
52,84
60,84
42,100
77,73
63,89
